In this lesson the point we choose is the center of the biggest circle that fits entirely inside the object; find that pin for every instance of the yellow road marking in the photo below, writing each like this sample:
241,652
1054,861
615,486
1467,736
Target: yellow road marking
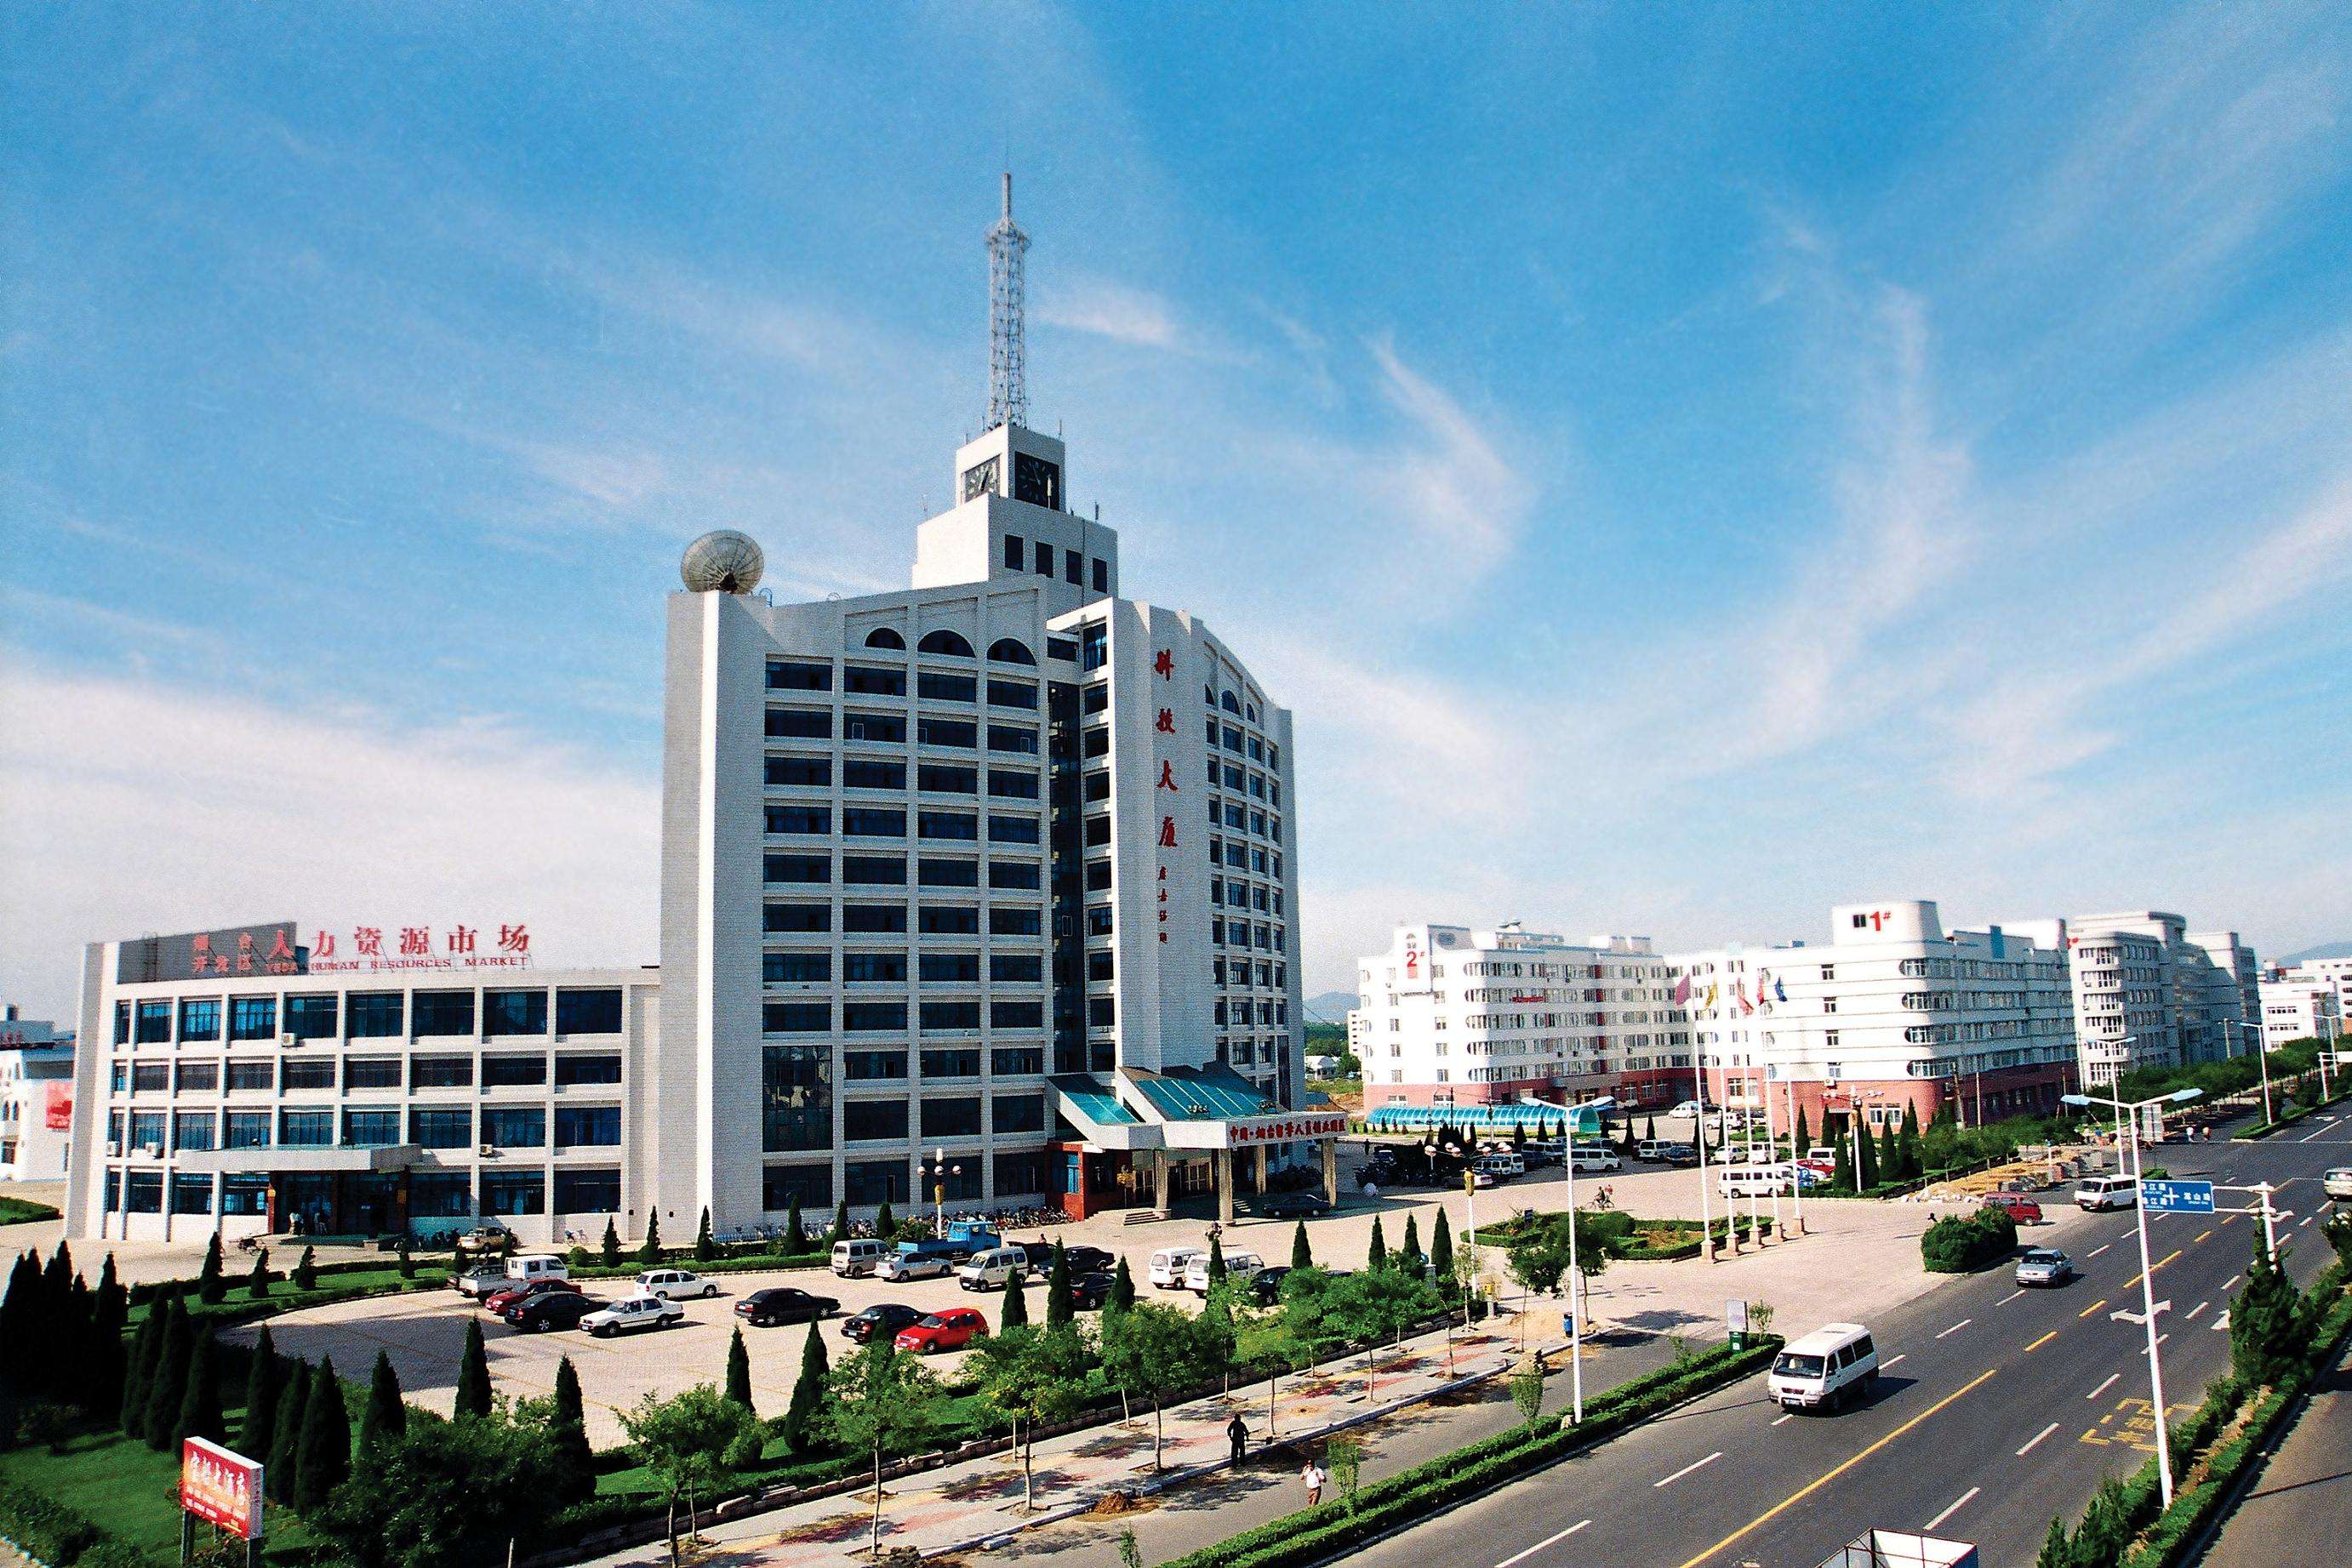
1811,1486
2232,1221
2093,1307
2045,1339
2152,1267
2200,1236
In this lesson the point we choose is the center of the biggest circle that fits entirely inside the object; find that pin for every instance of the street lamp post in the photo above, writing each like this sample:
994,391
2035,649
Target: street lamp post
2128,1113
2262,1056
937,1172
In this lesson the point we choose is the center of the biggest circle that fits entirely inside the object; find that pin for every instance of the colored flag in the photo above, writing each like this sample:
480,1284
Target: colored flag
1745,1007
1778,994
1710,995
1682,991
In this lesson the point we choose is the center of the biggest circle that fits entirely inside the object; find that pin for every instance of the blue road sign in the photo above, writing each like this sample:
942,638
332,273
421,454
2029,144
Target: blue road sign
2177,1196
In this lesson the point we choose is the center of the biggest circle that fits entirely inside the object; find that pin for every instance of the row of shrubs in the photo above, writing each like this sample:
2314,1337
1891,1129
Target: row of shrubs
1325,1530
50,1533
1961,1244
2265,1129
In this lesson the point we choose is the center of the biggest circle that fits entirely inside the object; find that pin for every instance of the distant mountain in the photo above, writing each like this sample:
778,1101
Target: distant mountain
1331,1006
2325,950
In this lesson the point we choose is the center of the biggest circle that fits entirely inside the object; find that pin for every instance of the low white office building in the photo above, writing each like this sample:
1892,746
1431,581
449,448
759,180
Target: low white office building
2300,1007
2331,974
36,1099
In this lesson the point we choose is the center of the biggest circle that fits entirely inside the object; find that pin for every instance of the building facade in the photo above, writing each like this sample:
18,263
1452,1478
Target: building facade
2298,1007
36,1099
2149,994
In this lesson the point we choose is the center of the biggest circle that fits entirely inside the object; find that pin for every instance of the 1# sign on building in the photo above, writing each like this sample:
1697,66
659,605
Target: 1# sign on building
2177,1196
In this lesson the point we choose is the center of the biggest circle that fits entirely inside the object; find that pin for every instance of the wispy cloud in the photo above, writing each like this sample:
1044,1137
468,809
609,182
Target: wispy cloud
1124,315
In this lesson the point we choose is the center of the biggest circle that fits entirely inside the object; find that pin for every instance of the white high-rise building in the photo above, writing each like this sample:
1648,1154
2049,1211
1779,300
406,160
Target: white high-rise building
2149,994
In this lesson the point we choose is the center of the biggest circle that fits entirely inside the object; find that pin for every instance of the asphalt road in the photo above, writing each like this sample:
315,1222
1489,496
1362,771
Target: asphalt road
1996,1408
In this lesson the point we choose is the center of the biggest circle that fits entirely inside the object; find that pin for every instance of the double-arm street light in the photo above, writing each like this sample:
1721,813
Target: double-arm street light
936,1171
2262,1055
2128,1114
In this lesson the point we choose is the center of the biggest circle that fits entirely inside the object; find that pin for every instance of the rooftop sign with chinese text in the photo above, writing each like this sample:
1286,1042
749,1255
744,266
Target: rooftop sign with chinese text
236,950
372,949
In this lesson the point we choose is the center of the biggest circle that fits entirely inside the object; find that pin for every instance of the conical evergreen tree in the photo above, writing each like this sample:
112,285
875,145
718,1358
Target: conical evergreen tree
1122,1287
324,1456
2265,1322
569,1426
256,1279
170,1385
1016,1303
1441,1251
609,1250
739,1373
808,1394
1302,1252
385,1418
795,1229
21,1313
285,1442
1216,1269
1804,1139
705,1248
74,1373
306,1270
650,1251
886,1223
1378,1256
472,1373
211,1289
838,1231
1061,1310
1906,1145
1887,1157
1409,1255
200,1406
138,1374
2055,1551
263,1380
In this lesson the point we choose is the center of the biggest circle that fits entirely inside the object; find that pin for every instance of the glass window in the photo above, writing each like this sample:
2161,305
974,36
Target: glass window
1012,694
371,1072
962,734
1020,875
305,1129
245,1193
867,1183
306,1072
950,825
794,676
196,1077
796,1098
154,1026
951,1063
200,1019
449,1127
122,1037
947,779
862,775
1009,1062
873,871
796,969
588,1010
939,686
444,1013
245,1130
1015,921
197,1130
949,1017
950,968
312,1017
514,1191
144,1192
1018,1113
1016,1015
871,1064
936,872
588,1192
800,819
869,1017
1012,737
873,822
514,1126
782,1186
252,1018
441,1072
800,724
873,966
1004,829
870,917
790,770
883,729
587,1126
440,1195
871,1121
514,1012
1020,1172
796,1017
951,920
371,1129
147,1130
876,680
574,1068
512,1069
373,1015
1012,784
252,1075
796,918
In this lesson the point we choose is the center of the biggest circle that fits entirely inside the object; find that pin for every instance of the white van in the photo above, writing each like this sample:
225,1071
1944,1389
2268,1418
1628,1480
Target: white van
1240,1267
2107,1192
991,1270
855,1259
1754,1181
1825,1369
1593,1162
526,1267
1168,1266
1501,1167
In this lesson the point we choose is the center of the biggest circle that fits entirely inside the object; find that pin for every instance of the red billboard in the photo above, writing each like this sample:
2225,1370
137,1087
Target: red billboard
221,1487
58,1113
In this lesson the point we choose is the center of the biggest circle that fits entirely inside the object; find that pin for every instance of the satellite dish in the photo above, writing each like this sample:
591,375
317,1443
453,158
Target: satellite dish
722,562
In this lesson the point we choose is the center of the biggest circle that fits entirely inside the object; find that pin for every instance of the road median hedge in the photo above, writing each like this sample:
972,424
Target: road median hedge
1330,1529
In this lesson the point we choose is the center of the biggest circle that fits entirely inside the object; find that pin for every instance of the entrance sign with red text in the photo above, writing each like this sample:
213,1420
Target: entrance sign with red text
221,1487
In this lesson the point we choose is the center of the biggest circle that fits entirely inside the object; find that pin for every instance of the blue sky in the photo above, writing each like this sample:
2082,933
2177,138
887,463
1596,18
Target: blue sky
1685,467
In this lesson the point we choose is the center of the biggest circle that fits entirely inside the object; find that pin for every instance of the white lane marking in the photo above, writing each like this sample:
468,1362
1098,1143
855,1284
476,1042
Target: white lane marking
2009,1298
1956,1327
2102,1247
1687,1469
2313,1133
2303,1221
2162,1337
1958,1503
2192,1312
1885,1365
1540,1545
2037,1437
2223,1321
2103,1388
1789,1417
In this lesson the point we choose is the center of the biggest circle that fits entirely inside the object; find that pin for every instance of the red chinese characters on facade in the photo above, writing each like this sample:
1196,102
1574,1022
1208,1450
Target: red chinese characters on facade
1167,774
1168,833
369,940
416,940
514,939
461,939
1165,724
280,953
322,945
1163,664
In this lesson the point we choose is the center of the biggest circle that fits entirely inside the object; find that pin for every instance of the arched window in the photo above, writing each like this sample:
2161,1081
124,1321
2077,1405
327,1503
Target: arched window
1252,715
944,641
1209,694
1232,704
884,637
1011,651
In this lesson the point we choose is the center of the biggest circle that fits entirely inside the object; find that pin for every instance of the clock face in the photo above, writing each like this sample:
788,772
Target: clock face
980,478
1036,481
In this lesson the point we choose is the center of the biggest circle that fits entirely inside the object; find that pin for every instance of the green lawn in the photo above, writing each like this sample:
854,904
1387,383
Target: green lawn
127,1489
16,1211
284,1298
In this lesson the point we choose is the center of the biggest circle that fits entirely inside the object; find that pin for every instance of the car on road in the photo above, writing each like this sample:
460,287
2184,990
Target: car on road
1240,1267
881,1321
996,1268
1299,1204
1091,1292
550,1310
784,1304
2337,1183
949,1330
900,1266
2096,1193
1082,1259
1595,1161
1678,1154
1685,1108
1825,1369
485,1241
481,1282
516,1293
2044,1266
674,1284
2021,1209
631,1313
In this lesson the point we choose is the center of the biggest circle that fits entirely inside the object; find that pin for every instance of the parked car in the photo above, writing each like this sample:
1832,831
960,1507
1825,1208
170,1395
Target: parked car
1825,1369
485,1241
1168,1264
631,1313
1240,1267
949,1330
550,1310
1754,1181
674,1284
1301,1205
480,1282
1594,1160
995,1268
525,1266
2337,1183
853,1260
881,1321
1685,1108
1266,1285
1083,1259
898,1266
516,1293
1678,1154
2044,1266
1090,1292
2019,1207
784,1304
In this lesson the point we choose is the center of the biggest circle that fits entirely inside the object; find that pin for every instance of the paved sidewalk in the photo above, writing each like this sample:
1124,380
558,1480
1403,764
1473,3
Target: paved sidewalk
2296,1508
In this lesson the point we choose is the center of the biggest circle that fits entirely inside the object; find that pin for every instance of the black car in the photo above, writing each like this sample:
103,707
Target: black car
1266,1284
1294,1205
1086,1260
1678,1154
550,1310
884,1320
1089,1293
764,1309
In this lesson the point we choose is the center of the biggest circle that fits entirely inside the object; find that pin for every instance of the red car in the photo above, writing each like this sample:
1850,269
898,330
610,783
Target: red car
2022,1208
949,1330
499,1301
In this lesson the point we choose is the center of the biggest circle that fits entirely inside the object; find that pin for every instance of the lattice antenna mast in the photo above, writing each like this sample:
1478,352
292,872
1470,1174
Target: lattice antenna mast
1008,393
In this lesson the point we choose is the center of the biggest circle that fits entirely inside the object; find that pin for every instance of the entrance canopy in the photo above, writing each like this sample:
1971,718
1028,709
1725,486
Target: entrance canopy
1185,1108
1583,1120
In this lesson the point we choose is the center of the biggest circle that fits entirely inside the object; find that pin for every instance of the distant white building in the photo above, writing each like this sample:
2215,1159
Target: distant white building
36,1099
2300,1007
2334,974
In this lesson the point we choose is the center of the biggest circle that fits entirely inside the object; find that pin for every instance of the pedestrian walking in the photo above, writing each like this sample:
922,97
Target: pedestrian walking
1312,1477
1237,1433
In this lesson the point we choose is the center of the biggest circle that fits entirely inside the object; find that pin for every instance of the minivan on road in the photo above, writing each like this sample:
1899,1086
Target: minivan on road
1167,1265
2107,1192
855,1259
1825,1369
